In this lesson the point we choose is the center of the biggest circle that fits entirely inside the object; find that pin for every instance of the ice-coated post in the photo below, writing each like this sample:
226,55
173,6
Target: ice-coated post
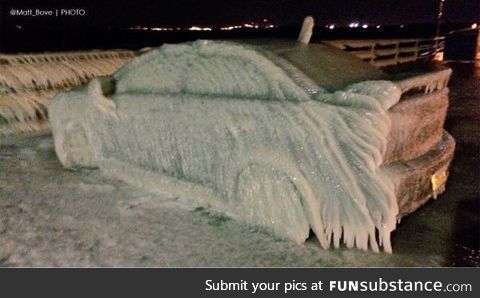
307,29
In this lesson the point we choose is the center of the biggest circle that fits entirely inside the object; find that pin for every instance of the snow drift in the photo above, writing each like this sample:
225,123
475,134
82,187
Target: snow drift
240,130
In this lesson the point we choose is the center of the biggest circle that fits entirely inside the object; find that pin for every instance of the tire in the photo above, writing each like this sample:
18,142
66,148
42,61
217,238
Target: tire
269,198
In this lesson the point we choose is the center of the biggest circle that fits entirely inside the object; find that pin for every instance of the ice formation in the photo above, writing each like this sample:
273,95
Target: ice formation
429,82
240,130
29,81
307,30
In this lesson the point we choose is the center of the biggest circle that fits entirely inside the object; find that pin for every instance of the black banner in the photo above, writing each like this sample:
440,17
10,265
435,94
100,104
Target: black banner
237,282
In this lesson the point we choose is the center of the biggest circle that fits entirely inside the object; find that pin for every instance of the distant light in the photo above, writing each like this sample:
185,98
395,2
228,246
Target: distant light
265,20
353,25
364,26
438,56
236,27
138,28
195,28
474,26
378,26
402,25
331,26
161,29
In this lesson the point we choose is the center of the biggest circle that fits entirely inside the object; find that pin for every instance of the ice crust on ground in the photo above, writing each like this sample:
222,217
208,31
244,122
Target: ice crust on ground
240,130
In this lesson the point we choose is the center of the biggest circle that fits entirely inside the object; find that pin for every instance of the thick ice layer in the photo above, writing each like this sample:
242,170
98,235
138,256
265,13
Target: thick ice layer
241,131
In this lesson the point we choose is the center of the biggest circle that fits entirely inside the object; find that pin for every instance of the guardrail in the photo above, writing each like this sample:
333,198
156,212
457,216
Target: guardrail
29,81
386,52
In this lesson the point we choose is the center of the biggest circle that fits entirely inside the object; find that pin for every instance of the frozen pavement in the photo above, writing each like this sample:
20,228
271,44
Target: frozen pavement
50,216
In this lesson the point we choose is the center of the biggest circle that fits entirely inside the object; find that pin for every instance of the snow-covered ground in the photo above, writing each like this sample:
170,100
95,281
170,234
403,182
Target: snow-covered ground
50,216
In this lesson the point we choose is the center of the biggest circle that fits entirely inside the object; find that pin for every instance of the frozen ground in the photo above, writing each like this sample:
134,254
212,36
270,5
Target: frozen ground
54,217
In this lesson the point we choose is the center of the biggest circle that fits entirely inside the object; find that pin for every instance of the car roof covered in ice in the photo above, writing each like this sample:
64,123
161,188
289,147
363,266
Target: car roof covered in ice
330,68
260,69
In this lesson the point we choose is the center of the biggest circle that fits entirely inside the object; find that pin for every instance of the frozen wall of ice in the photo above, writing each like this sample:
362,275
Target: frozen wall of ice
242,131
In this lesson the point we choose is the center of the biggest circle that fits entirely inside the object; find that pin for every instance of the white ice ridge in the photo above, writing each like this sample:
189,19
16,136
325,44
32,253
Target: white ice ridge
240,130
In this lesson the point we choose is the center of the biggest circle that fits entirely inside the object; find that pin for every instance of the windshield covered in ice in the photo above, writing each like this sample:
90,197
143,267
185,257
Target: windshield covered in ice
218,69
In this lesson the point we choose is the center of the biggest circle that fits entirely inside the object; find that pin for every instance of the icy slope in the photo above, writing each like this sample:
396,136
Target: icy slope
242,131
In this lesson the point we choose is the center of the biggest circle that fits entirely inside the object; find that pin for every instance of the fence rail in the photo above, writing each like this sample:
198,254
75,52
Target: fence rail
386,52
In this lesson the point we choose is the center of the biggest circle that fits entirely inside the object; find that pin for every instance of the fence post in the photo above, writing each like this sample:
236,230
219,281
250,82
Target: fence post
397,51
372,49
416,50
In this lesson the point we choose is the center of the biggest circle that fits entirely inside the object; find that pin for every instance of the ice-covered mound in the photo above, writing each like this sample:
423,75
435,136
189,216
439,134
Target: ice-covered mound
240,130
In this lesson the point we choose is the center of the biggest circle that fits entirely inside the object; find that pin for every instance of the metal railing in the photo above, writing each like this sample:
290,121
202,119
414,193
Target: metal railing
386,52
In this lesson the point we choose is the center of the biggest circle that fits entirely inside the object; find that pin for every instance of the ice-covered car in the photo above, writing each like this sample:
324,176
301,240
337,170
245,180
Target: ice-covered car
278,134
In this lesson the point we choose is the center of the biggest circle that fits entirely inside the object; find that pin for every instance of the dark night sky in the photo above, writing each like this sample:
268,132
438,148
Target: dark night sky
282,12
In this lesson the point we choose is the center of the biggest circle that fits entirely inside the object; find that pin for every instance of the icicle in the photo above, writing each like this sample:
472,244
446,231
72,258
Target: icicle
438,182
429,82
